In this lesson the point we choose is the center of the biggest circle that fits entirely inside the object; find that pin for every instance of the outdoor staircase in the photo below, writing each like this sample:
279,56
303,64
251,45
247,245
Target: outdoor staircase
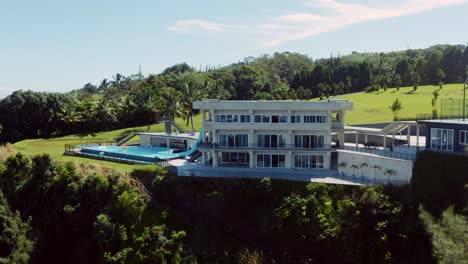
126,138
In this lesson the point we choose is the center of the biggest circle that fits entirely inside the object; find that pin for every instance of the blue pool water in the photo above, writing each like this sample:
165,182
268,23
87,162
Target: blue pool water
134,152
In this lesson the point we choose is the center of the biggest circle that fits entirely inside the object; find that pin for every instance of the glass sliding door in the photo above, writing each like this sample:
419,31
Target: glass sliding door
442,139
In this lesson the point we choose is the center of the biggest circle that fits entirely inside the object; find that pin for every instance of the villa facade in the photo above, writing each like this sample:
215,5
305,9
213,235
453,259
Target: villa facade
450,136
270,134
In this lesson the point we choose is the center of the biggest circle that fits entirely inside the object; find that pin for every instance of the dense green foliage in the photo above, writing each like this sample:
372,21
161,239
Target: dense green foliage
439,180
80,218
138,100
15,243
231,220
55,214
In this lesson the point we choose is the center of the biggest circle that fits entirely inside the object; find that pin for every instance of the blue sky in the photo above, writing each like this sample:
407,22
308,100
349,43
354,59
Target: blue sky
56,45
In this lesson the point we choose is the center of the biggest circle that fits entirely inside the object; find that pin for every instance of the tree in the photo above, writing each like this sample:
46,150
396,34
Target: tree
354,167
389,173
172,107
375,168
342,165
416,79
397,81
448,236
362,165
15,244
190,94
435,93
396,107
440,76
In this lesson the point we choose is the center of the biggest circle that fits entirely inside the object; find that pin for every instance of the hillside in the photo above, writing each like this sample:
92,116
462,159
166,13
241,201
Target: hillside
373,107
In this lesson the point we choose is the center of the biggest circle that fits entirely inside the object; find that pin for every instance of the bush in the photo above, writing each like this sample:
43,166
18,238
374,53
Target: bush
439,181
372,88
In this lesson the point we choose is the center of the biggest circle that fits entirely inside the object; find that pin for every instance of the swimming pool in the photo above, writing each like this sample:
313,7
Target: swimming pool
148,154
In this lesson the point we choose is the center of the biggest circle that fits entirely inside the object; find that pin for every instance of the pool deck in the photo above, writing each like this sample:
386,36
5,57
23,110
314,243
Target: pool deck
189,169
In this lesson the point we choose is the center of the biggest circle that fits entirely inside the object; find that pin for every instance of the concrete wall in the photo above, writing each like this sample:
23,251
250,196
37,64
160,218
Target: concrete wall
403,168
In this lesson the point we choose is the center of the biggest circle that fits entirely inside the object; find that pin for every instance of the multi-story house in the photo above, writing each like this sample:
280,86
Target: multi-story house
270,134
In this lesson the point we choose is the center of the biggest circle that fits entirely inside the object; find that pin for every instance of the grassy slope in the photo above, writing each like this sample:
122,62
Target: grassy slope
55,146
373,107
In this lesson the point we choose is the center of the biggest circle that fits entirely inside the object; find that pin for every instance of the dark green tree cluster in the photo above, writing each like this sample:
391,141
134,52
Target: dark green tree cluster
78,218
267,221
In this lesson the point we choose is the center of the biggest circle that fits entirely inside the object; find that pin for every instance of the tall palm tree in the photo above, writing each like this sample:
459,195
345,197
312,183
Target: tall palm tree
362,165
342,165
190,94
70,116
354,167
171,105
375,168
389,172
105,114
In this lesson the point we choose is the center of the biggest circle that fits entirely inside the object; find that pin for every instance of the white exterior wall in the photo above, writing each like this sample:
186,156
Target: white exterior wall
252,129
403,168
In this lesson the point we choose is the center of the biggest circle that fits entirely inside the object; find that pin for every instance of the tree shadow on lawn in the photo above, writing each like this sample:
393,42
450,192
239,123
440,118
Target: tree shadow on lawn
87,135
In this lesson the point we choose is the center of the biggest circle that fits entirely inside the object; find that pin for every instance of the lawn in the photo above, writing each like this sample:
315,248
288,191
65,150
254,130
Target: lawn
373,107
55,146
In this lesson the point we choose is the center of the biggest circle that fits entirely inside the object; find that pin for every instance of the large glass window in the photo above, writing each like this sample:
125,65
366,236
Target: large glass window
315,119
295,119
271,141
279,119
271,161
308,161
309,141
245,118
442,139
235,158
234,140
226,118
463,137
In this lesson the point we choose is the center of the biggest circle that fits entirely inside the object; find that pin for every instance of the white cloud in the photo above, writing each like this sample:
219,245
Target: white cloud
319,16
196,24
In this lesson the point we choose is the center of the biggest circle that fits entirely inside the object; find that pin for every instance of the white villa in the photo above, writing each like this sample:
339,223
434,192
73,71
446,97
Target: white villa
270,134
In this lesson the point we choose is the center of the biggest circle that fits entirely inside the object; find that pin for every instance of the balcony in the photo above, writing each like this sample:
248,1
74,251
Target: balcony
287,147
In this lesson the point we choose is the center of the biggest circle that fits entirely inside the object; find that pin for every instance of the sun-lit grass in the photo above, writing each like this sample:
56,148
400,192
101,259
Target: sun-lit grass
55,147
373,107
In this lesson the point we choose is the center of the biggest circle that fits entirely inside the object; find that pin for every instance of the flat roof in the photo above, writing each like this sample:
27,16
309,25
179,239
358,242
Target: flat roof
446,121
216,104
172,135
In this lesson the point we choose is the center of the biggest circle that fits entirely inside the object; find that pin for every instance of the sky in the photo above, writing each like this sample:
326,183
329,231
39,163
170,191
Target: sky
57,45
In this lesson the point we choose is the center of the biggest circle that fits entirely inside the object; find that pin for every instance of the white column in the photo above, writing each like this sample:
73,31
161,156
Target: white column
203,158
215,158
408,136
168,142
215,136
393,141
417,137
290,140
252,139
385,141
365,137
289,160
202,112
357,139
251,159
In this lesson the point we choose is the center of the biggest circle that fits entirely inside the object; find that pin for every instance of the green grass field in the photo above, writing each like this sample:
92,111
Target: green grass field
55,146
373,107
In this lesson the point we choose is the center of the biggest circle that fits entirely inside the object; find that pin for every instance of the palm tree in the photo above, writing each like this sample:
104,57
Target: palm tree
389,172
172,107
190,94
342,165
375,167
362,165
396,107
354,167
105,113
70,116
